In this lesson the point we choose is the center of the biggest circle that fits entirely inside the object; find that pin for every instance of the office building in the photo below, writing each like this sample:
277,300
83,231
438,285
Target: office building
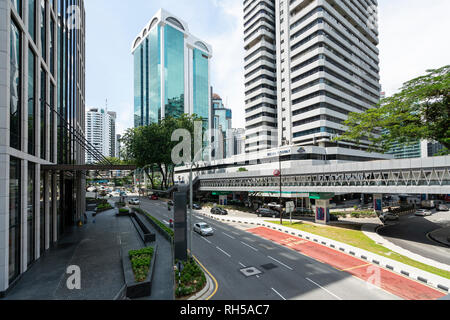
42,90
171,71
101,132
308,64
221,125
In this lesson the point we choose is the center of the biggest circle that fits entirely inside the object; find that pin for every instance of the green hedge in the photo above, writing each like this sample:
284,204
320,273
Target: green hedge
190,280
104,207
124,210
159,223
356,214
140,262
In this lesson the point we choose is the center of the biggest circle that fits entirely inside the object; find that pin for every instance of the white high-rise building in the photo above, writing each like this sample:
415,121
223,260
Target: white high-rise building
326,66
100,132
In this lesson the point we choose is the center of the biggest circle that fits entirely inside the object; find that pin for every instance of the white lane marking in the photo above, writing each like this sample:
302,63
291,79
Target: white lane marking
331,293
166,222
280,263
242,265
200,218
278,294
249,246
229,256
229,236
206,240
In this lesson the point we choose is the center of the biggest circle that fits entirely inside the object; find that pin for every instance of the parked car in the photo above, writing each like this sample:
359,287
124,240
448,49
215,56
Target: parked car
170,203
203,229
219,211
423,213
196,206
264,212
442,207
154,197
134,201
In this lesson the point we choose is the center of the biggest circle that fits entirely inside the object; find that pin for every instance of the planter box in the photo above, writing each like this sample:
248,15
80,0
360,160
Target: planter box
125,214
135,289
157,227
145,234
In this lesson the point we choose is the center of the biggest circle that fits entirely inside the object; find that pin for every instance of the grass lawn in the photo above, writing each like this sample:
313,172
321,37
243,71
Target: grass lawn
352,235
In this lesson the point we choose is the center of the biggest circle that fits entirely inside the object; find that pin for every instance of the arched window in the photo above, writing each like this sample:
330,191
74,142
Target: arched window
154,22
136,42
175,22
202,45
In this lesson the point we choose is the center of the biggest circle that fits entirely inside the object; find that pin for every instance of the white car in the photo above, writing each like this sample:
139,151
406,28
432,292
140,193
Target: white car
203,229
134,201
423,213
389,216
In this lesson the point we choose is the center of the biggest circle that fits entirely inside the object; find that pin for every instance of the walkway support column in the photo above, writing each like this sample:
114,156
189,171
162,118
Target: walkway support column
322,208
378,204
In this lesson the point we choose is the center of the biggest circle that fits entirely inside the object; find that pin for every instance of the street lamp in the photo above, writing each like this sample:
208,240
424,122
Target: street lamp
191,194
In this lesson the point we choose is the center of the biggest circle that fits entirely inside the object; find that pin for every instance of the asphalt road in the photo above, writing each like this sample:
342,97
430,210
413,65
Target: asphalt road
411,232
285,274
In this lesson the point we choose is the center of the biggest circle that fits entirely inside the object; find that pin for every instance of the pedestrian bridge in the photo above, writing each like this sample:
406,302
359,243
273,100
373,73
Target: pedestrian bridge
408,176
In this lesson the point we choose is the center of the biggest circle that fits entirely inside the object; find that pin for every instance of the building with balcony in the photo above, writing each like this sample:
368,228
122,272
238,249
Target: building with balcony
308,65
101,133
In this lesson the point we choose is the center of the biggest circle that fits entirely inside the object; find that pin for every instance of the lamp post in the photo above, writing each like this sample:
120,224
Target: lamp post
191,195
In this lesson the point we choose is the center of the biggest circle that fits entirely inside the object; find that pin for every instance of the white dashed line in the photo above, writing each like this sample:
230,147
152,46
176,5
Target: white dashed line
324,289
242,265
228,255
229,236
249,246
206,240
278,294
280,263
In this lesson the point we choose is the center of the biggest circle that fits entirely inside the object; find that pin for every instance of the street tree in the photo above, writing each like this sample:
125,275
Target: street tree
421,110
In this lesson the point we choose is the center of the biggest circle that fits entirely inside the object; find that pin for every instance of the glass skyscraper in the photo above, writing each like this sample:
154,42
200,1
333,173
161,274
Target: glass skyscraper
171,72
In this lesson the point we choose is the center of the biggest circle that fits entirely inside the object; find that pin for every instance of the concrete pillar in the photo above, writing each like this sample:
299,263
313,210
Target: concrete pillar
322,211
4,221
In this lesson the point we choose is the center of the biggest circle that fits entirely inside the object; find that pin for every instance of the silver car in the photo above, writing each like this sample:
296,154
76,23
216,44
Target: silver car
423,213
203,229
134,201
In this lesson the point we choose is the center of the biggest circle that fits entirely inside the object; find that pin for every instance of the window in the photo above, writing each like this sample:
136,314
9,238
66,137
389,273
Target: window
18,5
31,212
32,19
43,30
31,101
15,220
15,92
43,114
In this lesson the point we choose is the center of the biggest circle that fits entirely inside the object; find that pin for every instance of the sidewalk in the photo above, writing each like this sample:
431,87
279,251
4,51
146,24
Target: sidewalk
95,248
441,236
370,231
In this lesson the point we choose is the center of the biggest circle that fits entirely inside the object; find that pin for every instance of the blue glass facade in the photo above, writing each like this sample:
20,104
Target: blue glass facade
160,79
173,72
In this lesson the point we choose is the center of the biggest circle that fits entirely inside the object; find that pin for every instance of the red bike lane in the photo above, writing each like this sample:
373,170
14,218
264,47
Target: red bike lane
391,282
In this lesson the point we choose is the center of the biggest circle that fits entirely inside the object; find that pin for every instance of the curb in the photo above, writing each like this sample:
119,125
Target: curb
415,274
207,291
430,236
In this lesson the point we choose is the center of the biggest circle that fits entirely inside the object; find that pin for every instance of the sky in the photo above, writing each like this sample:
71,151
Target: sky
413,39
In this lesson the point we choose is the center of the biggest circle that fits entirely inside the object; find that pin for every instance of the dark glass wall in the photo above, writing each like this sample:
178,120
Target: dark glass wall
16,88
15,190
31,101
31,212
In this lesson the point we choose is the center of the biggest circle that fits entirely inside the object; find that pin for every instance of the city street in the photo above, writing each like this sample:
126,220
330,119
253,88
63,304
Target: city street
285,274
411,233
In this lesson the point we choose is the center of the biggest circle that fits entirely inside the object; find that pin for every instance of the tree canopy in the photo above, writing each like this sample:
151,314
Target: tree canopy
421,110
151,146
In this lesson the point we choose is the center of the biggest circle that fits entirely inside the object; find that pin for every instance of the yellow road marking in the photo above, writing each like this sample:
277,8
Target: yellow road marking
362,266
214,279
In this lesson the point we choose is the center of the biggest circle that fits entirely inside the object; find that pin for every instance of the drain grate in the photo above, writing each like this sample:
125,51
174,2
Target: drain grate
269,266
250,272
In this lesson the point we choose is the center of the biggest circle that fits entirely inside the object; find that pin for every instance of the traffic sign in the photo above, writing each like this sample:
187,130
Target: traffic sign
290,206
